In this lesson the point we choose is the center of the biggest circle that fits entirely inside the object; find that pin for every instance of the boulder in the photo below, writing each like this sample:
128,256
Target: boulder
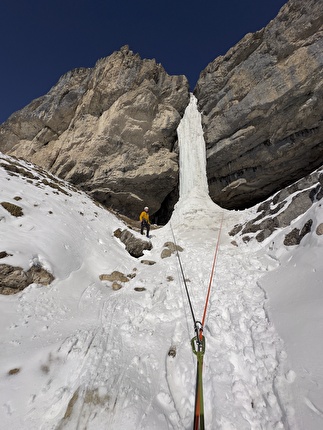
261,108
14,279
134,245
296,235
319,229
169,249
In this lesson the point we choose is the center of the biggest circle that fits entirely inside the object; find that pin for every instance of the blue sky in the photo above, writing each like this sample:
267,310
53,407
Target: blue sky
43,39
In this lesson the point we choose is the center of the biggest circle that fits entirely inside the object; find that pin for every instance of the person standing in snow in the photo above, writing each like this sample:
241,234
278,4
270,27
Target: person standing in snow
145,222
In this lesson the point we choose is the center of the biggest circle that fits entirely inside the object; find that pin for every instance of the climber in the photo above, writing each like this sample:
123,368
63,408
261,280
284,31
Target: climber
145,223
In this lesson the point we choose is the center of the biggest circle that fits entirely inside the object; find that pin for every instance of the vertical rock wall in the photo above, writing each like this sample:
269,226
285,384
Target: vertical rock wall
262,109
110,130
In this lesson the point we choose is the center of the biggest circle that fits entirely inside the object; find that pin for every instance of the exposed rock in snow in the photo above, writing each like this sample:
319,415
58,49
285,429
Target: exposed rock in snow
15,279
295,236
319,229
134,245
282,209
169,249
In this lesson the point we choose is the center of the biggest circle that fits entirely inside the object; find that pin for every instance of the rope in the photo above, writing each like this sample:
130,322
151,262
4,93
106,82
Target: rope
184,280
199,402
198,341
212,272
198,347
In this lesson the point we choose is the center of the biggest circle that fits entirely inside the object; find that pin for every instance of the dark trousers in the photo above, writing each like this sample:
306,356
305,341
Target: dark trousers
145,225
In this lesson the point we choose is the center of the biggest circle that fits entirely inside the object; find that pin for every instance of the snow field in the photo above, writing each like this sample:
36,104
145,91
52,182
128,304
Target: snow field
78,355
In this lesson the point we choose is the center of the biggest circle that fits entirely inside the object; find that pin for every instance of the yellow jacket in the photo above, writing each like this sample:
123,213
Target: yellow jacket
144,216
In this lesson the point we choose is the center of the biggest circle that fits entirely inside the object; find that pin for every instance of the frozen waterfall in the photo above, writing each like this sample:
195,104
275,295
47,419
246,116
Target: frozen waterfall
194,203
192,156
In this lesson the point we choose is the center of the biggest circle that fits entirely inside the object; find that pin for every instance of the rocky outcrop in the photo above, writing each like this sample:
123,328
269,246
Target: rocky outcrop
295,236
280,210
116,279
262,110
110,130
169,249
14,279
133,244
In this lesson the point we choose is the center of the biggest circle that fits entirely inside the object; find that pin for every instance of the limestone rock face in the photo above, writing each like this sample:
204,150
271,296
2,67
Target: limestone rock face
110,130
262,108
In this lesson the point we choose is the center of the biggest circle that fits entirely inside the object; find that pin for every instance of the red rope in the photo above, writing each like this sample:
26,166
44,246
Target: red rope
197,410
212,273
199,407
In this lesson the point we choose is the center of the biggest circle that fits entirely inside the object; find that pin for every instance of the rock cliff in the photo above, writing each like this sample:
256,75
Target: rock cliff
110,130
262,110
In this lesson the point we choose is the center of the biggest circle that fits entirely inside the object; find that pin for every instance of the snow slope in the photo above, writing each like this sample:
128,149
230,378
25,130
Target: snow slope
79,355
295,293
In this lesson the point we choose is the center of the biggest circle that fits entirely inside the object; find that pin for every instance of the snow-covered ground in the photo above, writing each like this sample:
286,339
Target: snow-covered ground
79,355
